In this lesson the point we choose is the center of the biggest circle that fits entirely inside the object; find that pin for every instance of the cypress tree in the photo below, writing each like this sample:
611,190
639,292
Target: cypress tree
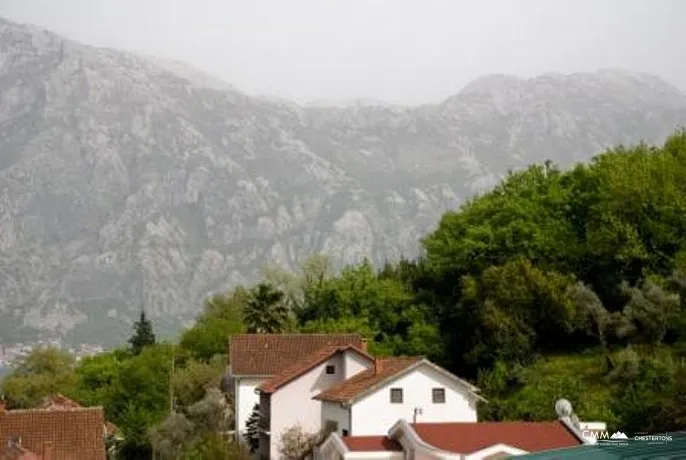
143,334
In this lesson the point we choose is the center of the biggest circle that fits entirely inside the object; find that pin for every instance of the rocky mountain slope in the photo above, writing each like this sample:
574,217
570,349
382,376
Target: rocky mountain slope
128,181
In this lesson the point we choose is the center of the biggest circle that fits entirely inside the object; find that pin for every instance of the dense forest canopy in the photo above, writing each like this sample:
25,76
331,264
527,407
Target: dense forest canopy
554,284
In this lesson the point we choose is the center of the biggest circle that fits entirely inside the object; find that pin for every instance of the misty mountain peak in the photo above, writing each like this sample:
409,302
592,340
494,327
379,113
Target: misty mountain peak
128,182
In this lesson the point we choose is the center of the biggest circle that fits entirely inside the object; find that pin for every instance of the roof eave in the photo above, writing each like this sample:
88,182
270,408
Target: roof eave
410,368
252,376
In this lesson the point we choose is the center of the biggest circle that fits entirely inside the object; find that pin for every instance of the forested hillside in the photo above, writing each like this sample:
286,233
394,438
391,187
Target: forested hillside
554,284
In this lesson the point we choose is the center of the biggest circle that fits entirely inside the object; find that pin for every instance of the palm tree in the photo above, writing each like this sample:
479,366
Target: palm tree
266,311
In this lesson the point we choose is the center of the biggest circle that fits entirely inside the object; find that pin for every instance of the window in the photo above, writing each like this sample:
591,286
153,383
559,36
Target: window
396,395
438,395
331,426
330,369
345,432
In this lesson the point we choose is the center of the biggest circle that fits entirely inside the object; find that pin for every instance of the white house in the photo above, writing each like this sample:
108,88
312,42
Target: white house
410,388
286,400
255,358
453,441
344,390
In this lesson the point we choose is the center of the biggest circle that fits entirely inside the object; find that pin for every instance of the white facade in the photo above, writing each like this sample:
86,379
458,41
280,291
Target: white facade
293,405
336,412
374,412
245,399
354,363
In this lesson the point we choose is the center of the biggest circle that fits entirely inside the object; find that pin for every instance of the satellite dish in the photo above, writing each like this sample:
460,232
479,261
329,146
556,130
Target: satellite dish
563,408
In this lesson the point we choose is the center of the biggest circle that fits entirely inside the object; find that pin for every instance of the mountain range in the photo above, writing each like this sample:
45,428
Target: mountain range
128,181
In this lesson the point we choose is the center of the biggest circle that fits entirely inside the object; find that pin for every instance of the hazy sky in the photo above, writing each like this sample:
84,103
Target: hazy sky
406,51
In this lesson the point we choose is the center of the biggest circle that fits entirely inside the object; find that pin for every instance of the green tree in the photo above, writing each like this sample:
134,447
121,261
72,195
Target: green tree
195,432
44,372
252,432
98,378
143,334
195,378
653,398
221,318
651,313
593,321
139,398
266,312
214,446
508,313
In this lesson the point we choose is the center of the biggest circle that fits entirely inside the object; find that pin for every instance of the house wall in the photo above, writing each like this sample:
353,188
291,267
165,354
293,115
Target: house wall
246,398
373,414
421,454
333,411
293,404
381,455
354,364
496,452
413,451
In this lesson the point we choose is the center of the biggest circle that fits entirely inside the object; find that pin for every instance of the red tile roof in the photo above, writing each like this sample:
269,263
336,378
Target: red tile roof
75,434
466,438
268,354
306,364
371,444
383,370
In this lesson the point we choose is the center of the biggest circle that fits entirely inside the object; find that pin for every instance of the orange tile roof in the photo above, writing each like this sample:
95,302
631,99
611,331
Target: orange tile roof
16,453
371,444
268,354
383,370
305,364
466,438
60,402
75,434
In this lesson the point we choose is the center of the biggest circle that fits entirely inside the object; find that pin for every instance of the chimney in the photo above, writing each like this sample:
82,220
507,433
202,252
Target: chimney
378,366
364,344
3,408
47,451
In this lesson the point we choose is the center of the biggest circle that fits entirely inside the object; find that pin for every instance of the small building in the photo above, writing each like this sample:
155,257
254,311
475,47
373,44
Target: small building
344,390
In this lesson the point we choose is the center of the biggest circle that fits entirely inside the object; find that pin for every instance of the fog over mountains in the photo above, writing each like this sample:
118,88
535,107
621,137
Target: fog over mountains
129,181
